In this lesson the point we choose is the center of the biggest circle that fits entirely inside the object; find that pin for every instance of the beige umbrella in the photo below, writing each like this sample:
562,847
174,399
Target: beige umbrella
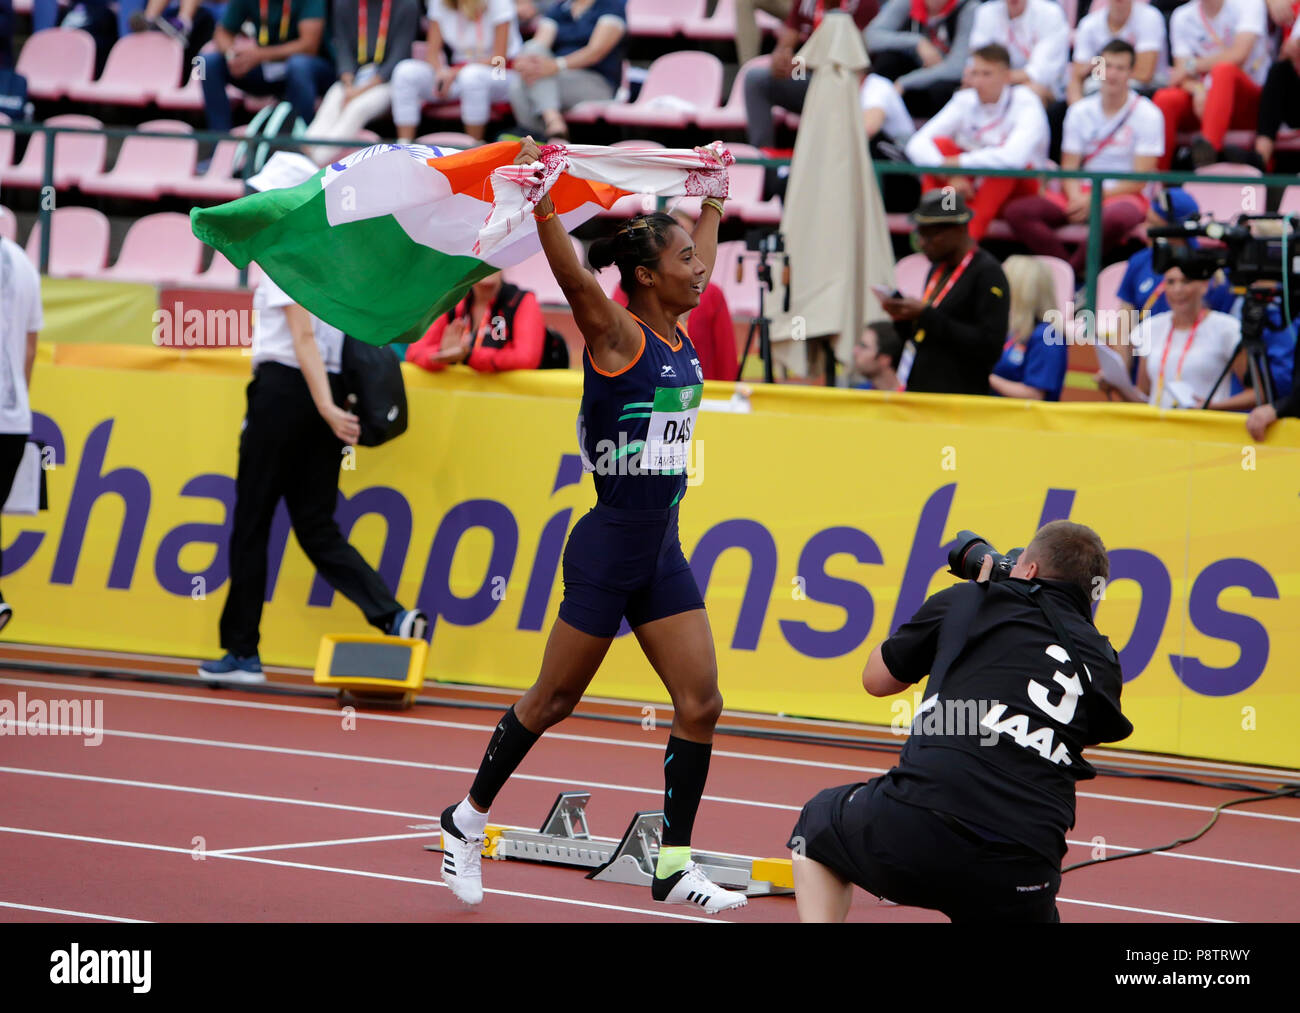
834,219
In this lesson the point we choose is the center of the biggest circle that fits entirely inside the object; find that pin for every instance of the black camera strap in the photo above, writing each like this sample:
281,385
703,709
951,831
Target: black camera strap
1035,594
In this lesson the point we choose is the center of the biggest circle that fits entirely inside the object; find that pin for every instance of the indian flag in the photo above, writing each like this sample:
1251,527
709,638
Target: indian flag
382,242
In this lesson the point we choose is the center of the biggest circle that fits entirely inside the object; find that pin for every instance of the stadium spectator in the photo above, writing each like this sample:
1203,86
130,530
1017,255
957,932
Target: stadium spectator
291,448
282,58
889,126
1112,129
190,22
922,46
1279,101
956,329
749,40
709,325
1142,287
6,34
365,59
875,357
576,55
782,83
483,36
1035,35
495,328
21,322
93,16
1220,51
1185,350
1137,23
1034,358
994,124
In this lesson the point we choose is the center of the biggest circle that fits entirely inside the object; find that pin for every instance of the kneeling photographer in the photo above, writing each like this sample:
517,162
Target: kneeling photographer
972,820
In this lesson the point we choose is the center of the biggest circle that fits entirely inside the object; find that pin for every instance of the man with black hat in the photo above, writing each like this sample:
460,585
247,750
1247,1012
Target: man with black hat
956,330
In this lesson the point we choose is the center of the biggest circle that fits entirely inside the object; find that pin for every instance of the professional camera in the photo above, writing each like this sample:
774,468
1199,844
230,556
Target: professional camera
1256,250
967,558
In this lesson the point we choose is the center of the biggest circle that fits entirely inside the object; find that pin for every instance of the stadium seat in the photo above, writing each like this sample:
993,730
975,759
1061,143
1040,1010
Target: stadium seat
661,18
140,67
534,275
1225,201
148,167
746,185
159,249
1108,286
732,115
742,295
1062,279
76,156
216,184
8,225
677,87
909,274
447,139
1290,204
369,136
78,243
55,60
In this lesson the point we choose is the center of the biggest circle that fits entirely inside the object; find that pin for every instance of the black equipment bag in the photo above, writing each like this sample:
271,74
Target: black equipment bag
372,382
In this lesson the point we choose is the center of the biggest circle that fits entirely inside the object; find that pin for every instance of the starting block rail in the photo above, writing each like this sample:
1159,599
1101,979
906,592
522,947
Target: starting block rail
565,839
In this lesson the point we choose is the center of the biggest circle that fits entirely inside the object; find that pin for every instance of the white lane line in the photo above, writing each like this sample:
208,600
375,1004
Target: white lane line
333,715
123,782
26,831
71,914
1188,805
1108,846
282,800
223,852
416,764
1143,911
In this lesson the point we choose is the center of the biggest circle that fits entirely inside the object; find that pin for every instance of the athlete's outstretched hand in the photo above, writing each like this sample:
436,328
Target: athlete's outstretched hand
529,152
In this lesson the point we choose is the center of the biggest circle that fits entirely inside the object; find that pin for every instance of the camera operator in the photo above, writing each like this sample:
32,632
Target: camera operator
972,820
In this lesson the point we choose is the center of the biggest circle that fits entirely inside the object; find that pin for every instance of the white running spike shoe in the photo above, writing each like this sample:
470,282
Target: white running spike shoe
691,886
462,860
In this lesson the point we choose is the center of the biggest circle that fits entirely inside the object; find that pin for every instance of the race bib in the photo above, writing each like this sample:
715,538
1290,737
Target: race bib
672,420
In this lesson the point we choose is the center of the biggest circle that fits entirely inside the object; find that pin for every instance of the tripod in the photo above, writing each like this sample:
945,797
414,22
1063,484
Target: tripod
774,244
1254,315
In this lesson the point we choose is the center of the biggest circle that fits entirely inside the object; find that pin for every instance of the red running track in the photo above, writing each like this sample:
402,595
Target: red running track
204,805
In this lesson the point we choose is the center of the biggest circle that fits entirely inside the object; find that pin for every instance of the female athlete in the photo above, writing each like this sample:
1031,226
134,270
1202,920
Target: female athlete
642,386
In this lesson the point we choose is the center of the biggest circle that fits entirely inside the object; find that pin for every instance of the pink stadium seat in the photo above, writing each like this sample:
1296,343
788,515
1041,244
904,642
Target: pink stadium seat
158,249
1108,286
721,25
78,243
76,156
677,87
732,115
55,60
534,275
140,66
1226,201
221,273
216,184
1290,201
148,167
909,274
1062,277
369,136
746,198
23,6
742,294
447,139
8,225
661,18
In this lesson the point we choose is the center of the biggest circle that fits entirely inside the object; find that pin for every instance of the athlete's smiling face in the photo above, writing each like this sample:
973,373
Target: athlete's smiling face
679,276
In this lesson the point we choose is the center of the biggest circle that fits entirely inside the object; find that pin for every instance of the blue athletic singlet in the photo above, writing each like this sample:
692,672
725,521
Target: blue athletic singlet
635,427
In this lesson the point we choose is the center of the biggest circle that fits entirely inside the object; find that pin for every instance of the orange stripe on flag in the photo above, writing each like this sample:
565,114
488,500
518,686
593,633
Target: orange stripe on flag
468,172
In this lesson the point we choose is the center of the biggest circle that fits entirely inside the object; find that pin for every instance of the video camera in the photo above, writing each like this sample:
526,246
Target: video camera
1257,254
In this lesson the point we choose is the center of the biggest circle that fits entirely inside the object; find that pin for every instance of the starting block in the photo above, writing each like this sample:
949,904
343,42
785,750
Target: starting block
372,668
564,839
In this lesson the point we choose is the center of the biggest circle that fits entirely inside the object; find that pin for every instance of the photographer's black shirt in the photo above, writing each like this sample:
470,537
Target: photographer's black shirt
998,740
959,340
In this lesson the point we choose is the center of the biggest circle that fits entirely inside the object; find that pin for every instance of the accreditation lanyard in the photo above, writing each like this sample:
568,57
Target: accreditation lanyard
363,32
952,280
263,9
1004,108
1024,51
1218,41
1114,132
1164,358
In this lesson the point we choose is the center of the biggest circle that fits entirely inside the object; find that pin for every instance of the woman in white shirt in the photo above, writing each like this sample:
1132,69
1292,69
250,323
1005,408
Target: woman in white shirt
1185,350
483,36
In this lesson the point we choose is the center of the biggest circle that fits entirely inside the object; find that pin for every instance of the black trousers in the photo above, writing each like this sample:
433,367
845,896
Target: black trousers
12,446
286,450
1279,101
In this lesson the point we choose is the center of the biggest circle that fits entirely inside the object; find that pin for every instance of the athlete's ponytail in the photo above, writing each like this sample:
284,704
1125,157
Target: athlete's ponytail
638,241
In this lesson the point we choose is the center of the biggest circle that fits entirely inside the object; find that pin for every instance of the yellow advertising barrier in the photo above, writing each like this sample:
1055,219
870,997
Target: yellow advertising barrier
815,524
